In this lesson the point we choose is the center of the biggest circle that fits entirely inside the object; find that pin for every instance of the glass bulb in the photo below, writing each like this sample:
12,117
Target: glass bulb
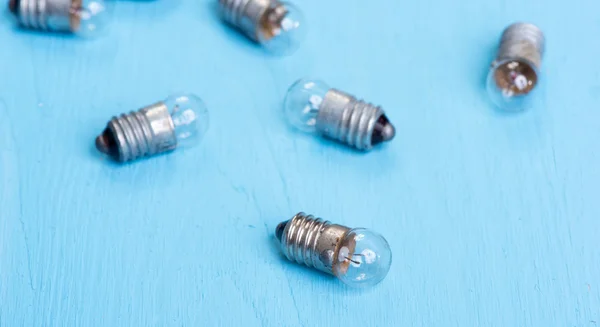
282,28
190,118
363,258
88,17
302,103
511,84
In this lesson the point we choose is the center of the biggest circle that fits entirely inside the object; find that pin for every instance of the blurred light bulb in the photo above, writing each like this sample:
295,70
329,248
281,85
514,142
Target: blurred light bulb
83,17
180,121
514,75
358,257
311,105
278,26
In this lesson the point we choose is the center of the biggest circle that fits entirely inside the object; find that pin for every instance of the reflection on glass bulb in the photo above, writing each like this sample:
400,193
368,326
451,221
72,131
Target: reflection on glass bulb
190,118
89,17
86,18
364,258
302,103
282,28
180,121
358,257
511,84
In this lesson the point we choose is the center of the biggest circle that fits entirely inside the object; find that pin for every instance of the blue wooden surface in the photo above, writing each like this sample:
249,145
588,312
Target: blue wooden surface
492,219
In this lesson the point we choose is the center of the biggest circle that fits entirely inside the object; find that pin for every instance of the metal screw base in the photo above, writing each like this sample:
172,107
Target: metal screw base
354,122
146,132
522,41
247,15
310,241
48,15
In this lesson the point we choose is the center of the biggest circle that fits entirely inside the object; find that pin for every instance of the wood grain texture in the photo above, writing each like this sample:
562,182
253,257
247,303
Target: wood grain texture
492,219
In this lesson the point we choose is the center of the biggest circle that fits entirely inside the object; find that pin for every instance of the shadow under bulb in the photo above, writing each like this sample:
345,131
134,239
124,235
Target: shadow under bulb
278,26
180,121
312,106
514,77
358,257
85,18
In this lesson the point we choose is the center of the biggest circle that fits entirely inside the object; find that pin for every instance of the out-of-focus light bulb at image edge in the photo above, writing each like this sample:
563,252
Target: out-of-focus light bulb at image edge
87,18
279,26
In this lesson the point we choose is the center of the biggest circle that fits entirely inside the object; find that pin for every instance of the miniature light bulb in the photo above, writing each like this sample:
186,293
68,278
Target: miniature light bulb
278,26
83,17
179,121
358,257
312,106
514,75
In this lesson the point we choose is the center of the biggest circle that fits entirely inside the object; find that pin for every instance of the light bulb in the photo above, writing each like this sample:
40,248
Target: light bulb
310,105
180,121
514,76
278,26
358,257
83,17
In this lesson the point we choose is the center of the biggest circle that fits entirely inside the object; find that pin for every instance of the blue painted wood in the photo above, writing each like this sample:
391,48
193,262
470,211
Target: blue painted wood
493,220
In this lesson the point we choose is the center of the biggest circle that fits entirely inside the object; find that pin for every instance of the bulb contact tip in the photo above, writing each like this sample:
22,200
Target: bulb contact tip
384,131
12,6
279,230
106,144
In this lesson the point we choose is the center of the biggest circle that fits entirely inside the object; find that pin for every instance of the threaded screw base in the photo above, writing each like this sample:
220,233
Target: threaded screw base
522,41
354,122
246,15
138,134
310,241
47,15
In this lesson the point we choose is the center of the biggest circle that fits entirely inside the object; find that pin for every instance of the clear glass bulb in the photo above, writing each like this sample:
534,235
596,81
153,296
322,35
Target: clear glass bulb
190,118
511,84
89,18
302,103
363,258
282,28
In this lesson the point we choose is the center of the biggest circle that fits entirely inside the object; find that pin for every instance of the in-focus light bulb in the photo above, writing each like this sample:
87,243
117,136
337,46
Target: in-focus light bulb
514,77
278,26
311,105
87,18
358,257
180,121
